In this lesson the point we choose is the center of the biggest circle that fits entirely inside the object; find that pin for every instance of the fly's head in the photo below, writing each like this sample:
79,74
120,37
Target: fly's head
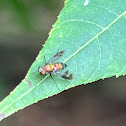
41,70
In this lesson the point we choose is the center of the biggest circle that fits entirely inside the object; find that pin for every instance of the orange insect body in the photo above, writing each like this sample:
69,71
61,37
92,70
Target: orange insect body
51,67
55,68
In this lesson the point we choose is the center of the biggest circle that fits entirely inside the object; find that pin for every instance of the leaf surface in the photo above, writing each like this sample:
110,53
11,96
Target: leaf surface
93,35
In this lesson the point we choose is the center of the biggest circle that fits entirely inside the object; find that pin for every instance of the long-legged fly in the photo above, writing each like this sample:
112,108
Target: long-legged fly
55,68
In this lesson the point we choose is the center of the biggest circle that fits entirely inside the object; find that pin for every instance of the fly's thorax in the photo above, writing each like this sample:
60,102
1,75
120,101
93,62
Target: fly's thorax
48,67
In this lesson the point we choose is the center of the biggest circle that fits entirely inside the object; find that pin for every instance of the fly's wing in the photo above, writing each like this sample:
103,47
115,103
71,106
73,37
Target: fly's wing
58,54
67,76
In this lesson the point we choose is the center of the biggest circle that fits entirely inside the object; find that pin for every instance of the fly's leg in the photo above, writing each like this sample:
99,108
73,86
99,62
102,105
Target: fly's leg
43,77
45,61
59,73
54,81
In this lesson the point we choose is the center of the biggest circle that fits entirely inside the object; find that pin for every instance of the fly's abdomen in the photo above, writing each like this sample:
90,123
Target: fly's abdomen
59,66
54,67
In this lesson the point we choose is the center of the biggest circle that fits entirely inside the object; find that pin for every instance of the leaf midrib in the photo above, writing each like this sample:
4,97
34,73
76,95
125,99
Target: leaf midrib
95,37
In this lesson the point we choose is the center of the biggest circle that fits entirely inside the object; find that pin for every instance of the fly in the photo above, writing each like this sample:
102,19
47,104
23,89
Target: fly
55,68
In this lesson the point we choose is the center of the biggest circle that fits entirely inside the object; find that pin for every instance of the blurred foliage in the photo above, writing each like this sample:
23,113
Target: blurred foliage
49,4
3,88
22,23
24,12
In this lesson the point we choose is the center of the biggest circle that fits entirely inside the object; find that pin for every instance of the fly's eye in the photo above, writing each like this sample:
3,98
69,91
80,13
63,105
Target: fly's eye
40,69
43,72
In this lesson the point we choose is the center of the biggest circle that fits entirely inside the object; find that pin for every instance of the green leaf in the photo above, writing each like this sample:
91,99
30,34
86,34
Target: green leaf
93,33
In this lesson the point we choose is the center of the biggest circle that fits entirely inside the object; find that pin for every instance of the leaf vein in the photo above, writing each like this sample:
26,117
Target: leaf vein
78,20
95,37
99,64
23,95
106,9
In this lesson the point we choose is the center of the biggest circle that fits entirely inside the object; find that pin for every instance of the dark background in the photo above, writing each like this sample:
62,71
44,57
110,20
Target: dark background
24,27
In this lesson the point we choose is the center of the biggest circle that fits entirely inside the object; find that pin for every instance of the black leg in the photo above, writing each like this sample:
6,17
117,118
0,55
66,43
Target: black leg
45,60
54,80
